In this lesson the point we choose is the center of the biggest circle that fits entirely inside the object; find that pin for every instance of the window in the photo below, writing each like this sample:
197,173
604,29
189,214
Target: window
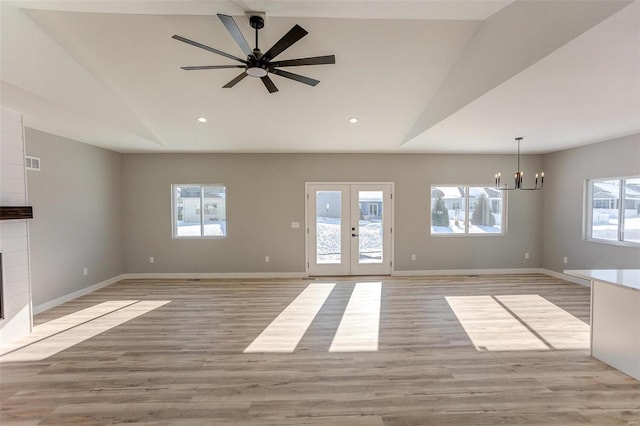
32,163
465,209
613,210
191,221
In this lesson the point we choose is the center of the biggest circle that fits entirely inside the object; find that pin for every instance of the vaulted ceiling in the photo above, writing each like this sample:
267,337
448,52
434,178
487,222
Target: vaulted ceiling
420,76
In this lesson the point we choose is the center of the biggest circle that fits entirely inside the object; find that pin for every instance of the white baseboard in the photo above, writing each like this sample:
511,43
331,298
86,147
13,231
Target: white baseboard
566,277
214,275
68,297
549,272
467,272
230,275
277,275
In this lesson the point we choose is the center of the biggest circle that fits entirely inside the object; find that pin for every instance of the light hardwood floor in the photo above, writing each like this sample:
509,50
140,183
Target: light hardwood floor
464,350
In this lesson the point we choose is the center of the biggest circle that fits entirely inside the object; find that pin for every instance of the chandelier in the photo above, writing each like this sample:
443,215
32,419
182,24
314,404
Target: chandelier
519,176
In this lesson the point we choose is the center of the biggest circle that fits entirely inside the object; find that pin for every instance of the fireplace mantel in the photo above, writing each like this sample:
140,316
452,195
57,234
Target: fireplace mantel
16,212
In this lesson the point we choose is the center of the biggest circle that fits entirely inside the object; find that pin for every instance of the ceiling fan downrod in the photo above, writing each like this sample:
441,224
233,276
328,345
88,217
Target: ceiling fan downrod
256,22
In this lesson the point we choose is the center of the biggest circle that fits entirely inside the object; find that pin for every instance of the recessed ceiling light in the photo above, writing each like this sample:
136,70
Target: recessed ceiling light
202,119
353,120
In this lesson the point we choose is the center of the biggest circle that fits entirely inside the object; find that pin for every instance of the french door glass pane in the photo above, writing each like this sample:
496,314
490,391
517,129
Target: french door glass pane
605,199
328,227
631,224
187,211
485,210
370,226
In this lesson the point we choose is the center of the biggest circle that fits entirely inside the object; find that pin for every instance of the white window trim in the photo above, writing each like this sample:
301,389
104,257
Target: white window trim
174,204
587,216
466,234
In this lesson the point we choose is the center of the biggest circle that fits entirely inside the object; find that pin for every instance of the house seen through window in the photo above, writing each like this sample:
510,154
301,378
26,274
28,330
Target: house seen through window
613,210
466,209
190,219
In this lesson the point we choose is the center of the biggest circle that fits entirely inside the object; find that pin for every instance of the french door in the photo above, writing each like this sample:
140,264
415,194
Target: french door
349,228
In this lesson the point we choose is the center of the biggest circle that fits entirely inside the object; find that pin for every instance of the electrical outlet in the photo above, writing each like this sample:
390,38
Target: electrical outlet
151,259
266,259
565,259
526,255
295,225
413,257
85,271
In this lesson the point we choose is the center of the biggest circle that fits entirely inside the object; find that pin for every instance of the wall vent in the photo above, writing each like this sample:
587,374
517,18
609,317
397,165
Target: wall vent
32,163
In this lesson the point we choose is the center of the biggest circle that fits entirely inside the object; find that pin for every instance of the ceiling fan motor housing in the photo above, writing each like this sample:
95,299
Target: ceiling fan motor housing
256,21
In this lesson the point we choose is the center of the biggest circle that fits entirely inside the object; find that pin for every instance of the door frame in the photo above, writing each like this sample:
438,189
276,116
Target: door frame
390,213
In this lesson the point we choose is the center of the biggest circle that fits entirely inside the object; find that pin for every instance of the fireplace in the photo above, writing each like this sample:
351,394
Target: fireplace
1,291
16,212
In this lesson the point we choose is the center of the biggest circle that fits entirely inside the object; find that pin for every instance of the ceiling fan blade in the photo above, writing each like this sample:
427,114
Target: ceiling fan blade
210,67
296,77
210,49
269,84
316,60
235,81
294,34
235,32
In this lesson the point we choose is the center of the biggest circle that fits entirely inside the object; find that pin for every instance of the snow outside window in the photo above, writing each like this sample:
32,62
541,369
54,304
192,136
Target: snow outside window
466,210
612,211
192,221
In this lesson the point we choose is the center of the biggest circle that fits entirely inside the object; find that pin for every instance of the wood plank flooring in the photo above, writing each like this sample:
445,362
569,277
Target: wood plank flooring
463,350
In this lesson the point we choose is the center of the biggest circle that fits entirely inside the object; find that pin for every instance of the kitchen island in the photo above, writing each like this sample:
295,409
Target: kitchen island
615,317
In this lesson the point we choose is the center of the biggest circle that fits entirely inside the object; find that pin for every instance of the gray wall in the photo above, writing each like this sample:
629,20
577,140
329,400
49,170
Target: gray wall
564,203
110,212
273,185
77,222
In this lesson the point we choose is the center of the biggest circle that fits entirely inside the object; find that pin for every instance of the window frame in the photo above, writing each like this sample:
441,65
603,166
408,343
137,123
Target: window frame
174,211
467,209
587,228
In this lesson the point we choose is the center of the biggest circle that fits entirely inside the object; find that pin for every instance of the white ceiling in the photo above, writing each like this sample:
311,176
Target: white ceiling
421,76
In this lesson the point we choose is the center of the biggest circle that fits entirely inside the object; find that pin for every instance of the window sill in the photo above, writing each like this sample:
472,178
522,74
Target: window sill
454,235
613,243
207,237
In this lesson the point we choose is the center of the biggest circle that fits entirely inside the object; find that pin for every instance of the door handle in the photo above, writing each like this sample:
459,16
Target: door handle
354,235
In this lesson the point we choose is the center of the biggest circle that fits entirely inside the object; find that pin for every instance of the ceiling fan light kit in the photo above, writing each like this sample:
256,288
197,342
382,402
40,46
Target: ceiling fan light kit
258,64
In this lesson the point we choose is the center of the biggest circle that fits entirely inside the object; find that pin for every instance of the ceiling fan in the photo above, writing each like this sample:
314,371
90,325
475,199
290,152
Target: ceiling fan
258,64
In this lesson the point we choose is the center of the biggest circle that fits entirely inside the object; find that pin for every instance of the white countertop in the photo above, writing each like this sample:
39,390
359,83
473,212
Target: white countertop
629,278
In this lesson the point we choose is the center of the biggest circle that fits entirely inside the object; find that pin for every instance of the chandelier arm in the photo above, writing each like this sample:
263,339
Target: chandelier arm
518,139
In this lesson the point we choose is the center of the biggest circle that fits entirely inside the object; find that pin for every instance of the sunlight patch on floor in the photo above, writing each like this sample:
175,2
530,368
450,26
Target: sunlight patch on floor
284,332
490,327
518,322
554,325
360,324
57,335
66,322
